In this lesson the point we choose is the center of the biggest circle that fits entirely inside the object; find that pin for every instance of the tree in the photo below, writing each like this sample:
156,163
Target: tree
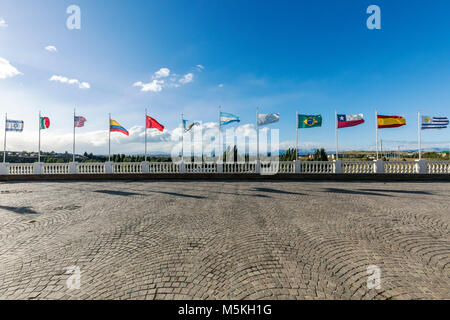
289,155
320,155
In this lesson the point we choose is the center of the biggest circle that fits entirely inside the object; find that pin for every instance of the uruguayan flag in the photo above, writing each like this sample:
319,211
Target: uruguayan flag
14,125
434,122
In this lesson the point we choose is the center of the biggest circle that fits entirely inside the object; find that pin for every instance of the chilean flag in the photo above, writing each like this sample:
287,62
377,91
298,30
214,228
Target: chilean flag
349,120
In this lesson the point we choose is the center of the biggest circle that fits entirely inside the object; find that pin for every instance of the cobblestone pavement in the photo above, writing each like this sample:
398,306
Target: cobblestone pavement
224,240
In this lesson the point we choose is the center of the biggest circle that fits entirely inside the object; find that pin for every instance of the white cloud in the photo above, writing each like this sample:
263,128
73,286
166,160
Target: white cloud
200,67
220,85
7,70
161,73
62,79
187,78
163,78
51,49
3,23
154,86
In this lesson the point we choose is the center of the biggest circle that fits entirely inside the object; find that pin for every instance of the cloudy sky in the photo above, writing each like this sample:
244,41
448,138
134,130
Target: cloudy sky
189,57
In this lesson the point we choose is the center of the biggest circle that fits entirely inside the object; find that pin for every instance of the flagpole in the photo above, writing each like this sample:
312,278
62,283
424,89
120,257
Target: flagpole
257,134
220,129
182,139
145,149
336,124
296,143
376,125
420,135
109,139
39,146
74,115
4,142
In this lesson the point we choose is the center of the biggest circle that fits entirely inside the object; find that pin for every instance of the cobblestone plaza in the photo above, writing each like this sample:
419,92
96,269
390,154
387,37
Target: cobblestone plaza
224,240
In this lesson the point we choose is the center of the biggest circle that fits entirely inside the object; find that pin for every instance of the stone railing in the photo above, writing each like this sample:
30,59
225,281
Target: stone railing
438,167
286,167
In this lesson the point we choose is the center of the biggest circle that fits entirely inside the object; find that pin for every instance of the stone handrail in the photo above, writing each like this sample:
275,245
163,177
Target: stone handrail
285,167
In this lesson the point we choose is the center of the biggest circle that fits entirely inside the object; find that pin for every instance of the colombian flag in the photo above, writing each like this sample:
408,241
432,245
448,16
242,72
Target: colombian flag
390,121
114,126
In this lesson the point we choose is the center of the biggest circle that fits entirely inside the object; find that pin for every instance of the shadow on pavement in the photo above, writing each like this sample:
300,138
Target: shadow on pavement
344,191
276,191
119,193
19,210
180,194
399,191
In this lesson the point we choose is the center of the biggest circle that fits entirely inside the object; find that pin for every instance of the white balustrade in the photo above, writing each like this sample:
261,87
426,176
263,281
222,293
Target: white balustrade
239,167
264,167
20,168
286,167
317,167
438,167
358,167
163,167
55,168
400,167
127,167
90,168
206,167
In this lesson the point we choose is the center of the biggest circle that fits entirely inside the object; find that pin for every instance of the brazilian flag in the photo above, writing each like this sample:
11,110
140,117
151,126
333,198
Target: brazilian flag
309,121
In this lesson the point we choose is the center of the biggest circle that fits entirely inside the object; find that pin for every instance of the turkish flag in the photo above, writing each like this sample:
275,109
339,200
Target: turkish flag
152,123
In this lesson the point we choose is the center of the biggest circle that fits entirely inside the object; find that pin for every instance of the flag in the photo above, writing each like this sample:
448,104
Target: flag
309,121
79,121
44,123
188,126
114,126
152,123
268,118
227,118
434,122
349,120
14,125
390,122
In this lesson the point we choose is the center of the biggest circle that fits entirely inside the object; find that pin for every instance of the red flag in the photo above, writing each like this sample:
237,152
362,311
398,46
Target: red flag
152,123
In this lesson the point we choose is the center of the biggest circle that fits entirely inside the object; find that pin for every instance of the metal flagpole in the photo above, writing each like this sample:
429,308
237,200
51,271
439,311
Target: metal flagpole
39,149
296,143
336,124
74,115
420,135
182,138
257,134
220,129
376,125
145,149
4,142
109,139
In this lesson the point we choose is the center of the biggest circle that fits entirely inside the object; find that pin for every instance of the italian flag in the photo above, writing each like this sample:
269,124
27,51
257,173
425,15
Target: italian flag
44,123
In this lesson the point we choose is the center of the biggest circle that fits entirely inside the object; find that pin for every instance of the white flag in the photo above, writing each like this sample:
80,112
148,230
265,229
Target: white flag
268,118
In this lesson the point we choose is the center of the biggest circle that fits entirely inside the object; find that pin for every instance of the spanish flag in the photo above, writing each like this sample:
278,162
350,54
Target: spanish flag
390,121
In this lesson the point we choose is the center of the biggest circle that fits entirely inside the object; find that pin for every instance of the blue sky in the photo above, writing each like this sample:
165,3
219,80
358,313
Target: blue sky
280,56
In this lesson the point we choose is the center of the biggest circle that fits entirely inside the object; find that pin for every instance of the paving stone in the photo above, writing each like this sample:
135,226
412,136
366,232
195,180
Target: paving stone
225,240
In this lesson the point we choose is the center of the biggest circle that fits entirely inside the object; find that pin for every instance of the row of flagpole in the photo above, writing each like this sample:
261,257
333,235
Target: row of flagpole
231,118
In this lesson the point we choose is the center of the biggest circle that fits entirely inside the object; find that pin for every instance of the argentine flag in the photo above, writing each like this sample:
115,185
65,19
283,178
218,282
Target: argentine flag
227,118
